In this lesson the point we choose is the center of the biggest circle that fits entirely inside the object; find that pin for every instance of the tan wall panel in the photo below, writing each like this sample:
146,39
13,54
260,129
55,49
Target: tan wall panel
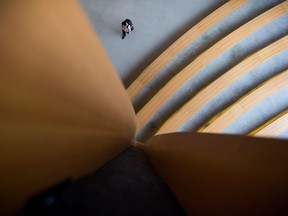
223,174
64,112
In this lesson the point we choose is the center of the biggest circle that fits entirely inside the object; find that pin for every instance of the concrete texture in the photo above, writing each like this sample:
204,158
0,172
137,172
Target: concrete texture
258,75
158,24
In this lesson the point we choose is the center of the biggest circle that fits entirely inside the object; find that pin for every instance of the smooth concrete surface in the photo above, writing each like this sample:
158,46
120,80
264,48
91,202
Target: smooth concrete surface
158,24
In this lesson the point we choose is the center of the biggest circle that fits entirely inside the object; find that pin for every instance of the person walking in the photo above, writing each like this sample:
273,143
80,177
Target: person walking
127,27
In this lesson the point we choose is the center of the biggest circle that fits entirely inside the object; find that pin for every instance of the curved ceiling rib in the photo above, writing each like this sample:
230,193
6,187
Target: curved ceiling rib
202,60
172,51
210,91
228,116
273,127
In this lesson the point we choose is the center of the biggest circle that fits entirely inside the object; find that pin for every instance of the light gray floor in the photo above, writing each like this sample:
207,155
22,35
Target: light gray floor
158,23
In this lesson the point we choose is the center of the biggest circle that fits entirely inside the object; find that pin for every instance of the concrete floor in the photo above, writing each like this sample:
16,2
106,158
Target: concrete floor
159,23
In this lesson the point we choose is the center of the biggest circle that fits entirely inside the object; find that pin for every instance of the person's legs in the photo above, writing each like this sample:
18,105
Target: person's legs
124,34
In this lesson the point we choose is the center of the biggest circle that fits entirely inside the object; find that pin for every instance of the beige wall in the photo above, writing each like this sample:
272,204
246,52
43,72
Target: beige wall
63,109
222,174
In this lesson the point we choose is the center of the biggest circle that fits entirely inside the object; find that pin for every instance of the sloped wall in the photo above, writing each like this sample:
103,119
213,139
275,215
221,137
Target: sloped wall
59,117
213,174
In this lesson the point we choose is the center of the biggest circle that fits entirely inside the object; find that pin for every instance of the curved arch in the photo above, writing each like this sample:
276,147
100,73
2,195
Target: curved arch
273,127
199,63
222,120
210,91
172,51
